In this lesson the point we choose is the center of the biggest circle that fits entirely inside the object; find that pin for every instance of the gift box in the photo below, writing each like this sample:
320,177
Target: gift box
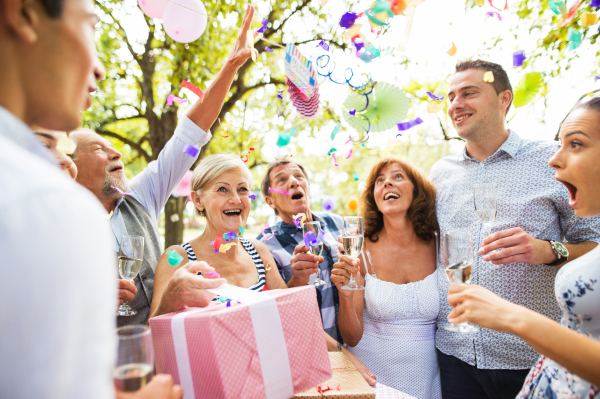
347,383
271,345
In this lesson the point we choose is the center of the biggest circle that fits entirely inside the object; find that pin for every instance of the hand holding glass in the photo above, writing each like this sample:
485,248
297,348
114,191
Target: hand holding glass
131,252
352,239
135,358
314,228
459,264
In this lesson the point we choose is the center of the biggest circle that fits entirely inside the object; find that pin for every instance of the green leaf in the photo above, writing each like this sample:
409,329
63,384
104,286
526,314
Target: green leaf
528,88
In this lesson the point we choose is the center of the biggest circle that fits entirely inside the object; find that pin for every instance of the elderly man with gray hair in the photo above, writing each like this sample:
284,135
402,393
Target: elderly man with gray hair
102,172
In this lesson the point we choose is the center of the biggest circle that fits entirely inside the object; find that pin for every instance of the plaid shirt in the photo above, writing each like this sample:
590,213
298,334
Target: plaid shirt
282,245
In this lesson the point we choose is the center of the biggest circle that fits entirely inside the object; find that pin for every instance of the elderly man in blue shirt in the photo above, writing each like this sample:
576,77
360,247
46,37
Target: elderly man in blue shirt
534,234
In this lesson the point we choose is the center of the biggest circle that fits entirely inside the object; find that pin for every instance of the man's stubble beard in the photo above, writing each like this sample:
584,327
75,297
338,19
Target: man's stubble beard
111,181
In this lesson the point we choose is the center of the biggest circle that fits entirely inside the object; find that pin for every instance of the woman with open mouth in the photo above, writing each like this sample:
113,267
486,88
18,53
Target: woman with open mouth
570,361
221,194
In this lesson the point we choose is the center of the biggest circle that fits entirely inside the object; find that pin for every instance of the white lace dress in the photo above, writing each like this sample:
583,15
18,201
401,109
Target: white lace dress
398,342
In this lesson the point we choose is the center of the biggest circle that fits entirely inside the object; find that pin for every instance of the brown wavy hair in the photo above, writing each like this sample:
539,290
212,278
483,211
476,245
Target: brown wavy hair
421,212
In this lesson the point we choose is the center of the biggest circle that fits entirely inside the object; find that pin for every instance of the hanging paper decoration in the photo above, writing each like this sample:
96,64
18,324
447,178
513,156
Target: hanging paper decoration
300,71
328,203
185,20
153,8
306,107
528,88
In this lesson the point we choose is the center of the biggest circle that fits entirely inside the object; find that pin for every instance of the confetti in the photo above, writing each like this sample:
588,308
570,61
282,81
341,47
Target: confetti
335,131
171,98
267,267
217,242
409,124
492,13
335,160
488,77
433,96
433,107
310,239
263,28
299,220
568,18
353,112
284,139
191,150
349,155
574,38
331,151
225,126
349,140
174,258
248,154
278,191
194,88
266,237
499,9
356,178
241,231
280,94
252,196
66,145
589,19
347,20
323,45
121,191
595,3
213,275
518,58
325,388
280,109
224,247
268,49
453,50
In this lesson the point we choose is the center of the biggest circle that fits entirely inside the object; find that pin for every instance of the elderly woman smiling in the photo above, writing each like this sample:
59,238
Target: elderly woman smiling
221,194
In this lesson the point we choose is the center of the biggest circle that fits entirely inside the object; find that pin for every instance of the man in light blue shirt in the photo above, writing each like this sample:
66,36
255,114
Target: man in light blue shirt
102,172
533,218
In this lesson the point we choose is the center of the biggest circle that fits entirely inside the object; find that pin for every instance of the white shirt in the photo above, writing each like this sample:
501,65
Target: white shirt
57,336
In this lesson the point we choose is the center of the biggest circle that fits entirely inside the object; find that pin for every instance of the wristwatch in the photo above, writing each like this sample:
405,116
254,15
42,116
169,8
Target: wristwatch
561,252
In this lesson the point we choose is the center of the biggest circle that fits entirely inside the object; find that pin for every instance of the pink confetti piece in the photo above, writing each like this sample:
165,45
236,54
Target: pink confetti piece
349,140
266,237
334,159
279,191
213,274
349,155
191,150
492,13
193,88
121,191
171,98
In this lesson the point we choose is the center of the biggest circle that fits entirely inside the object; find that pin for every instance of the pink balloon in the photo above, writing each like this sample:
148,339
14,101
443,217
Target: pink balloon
184,188
184,20
153,8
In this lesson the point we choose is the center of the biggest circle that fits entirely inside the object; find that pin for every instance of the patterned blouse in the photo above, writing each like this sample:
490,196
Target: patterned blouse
578,295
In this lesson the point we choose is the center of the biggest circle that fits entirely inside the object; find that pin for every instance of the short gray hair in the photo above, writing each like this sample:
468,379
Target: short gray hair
212,167
73,136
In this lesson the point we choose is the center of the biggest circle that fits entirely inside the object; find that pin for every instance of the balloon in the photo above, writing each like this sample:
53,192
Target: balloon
353,204
184,188
153,8
184,20
328,203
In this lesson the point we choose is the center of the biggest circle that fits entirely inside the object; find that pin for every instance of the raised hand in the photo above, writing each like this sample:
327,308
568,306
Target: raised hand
241,52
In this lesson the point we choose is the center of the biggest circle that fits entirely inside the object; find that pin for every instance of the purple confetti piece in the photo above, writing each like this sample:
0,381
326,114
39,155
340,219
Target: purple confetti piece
352,112
263,27
191,150
269,49
348,19
280,95
518,58
252,196
595,3
311,240
492,13
359,46
439,98
323,45
280,109
409,124
596,78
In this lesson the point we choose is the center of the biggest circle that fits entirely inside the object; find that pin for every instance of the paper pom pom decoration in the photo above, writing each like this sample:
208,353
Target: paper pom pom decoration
153,8
184,188
307,107
528,88
386,105
185,21
352,204
328,203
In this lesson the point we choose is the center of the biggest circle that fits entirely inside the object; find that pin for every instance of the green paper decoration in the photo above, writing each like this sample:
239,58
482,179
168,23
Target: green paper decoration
528,88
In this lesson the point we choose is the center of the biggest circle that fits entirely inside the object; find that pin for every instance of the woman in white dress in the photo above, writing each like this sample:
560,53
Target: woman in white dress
390,326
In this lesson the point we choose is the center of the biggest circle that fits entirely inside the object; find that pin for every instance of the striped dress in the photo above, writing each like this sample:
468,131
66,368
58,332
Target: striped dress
260,267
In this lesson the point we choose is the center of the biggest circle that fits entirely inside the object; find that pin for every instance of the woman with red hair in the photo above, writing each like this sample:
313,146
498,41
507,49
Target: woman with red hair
390,326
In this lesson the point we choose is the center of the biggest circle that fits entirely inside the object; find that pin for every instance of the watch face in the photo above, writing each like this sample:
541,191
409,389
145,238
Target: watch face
561,249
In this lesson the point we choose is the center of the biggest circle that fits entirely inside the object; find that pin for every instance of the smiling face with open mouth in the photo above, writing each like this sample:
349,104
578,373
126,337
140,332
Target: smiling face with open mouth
226,202
393,190
576,162
289,178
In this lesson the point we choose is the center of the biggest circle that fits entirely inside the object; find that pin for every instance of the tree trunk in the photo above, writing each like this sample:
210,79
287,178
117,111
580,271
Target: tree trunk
174,221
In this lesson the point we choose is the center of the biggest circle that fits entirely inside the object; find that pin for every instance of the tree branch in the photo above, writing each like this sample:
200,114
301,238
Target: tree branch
120,29
131,143
445,134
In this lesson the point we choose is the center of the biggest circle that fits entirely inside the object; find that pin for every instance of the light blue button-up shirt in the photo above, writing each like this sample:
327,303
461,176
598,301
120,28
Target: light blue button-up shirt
153,186
529,197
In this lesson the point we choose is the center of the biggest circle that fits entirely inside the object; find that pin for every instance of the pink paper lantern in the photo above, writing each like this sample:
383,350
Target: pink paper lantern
184,20
153,8
184,188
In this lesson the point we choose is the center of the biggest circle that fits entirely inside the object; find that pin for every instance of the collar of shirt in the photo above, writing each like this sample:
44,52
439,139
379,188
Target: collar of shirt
510,147
15,130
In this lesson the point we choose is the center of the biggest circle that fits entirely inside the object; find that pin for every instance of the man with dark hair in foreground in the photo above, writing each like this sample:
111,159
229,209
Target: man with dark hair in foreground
534,225
57,288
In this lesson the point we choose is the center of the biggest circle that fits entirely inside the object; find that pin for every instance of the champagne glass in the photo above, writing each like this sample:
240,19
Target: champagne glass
353,238
459,264
134,366
131,252
485,206
310,229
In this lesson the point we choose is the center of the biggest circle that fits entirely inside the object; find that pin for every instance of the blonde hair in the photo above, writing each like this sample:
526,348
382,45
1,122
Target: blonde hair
214,166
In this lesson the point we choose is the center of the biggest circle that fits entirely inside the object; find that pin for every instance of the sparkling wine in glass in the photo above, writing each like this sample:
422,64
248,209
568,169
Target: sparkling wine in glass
310,230
485,206
134,367
458,262
131,252
353,238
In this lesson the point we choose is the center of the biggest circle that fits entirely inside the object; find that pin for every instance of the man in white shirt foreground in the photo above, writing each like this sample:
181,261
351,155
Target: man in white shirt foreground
58,335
